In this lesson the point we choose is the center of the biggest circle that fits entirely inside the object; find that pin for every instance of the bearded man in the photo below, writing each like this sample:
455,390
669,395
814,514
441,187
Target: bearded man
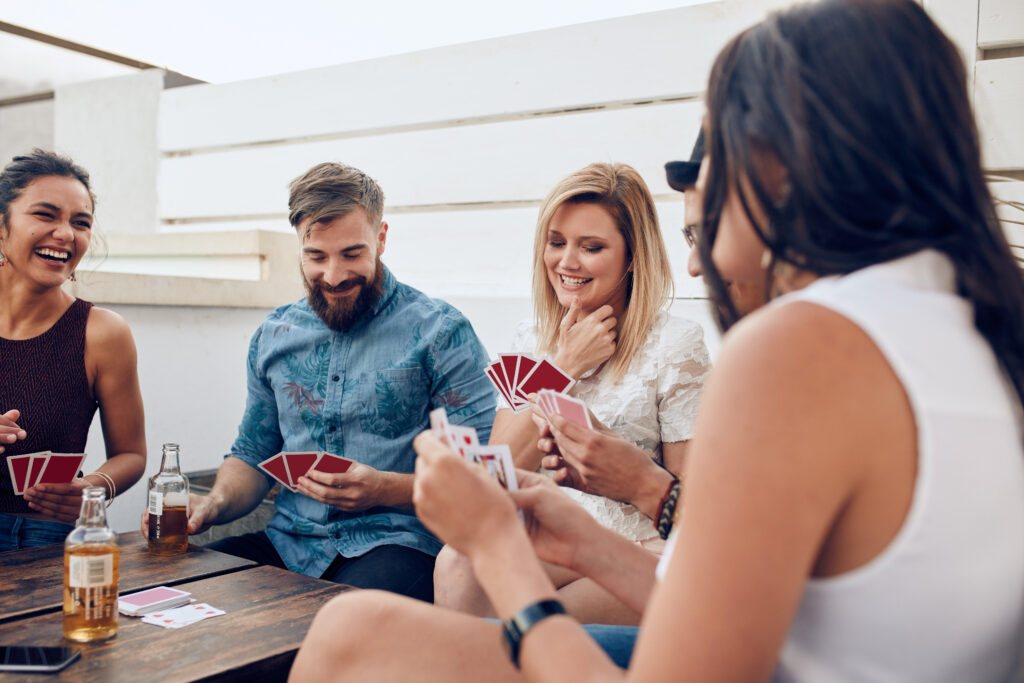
353,370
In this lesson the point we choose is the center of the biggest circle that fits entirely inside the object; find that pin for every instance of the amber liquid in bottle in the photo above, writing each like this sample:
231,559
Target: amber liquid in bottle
91,558
168,506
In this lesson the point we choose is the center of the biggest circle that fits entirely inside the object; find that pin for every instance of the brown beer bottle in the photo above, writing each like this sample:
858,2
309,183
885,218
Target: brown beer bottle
168,506
90,572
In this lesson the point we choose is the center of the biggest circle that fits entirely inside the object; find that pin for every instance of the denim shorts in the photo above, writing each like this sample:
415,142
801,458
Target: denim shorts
22,532
616,641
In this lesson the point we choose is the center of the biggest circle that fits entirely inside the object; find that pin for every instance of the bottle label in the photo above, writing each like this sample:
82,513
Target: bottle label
156,503
90,571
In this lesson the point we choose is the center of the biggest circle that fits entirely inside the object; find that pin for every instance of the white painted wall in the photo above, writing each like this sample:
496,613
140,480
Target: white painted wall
23,127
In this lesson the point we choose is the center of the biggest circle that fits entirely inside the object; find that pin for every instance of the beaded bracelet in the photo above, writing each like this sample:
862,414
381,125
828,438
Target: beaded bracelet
108,484
667,509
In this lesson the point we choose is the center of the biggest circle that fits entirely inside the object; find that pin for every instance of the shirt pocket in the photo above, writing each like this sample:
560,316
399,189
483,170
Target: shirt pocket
398,402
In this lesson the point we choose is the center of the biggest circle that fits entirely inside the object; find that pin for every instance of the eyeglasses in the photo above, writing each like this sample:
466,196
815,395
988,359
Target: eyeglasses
690,235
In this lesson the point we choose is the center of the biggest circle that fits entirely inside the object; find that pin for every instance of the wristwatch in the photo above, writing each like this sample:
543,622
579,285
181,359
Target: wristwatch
527,618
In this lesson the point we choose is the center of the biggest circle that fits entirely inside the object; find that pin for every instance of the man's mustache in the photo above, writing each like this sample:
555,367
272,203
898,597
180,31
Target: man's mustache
344,284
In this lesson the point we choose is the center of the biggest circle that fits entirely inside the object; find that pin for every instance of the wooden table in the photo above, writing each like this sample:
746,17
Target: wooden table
268,610
32,580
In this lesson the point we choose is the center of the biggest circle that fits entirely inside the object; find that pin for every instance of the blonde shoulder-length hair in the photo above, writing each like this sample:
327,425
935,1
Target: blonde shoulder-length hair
621,191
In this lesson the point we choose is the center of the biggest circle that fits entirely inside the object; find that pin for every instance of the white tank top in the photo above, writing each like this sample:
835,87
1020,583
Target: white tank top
945,600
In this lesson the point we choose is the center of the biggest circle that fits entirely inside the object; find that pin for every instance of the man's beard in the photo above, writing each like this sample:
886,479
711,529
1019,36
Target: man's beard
341,314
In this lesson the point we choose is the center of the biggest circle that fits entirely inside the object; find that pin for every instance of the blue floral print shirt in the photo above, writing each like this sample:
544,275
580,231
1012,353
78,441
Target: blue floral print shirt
362,394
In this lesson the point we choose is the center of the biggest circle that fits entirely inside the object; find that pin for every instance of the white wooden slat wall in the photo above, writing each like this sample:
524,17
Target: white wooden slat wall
1000,23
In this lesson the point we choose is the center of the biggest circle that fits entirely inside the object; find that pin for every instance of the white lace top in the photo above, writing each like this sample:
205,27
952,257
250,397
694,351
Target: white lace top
655,402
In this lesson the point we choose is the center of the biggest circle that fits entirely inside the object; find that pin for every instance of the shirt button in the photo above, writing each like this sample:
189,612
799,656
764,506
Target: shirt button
336,378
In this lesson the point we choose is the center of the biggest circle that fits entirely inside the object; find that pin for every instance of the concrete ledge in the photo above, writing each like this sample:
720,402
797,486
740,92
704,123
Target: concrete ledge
274,254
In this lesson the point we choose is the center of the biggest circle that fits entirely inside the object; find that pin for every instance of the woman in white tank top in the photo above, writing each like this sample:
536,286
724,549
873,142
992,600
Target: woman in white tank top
855,485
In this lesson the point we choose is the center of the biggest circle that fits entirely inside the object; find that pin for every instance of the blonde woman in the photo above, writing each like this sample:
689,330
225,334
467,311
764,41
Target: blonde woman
601,281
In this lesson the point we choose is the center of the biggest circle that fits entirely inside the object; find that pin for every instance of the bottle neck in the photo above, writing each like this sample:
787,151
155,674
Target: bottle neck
169,463
94,508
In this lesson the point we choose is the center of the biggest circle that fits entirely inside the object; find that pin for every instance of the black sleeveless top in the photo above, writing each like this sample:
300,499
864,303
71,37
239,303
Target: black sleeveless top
44,377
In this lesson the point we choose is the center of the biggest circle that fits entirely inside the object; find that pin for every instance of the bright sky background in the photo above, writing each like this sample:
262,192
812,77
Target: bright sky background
229,40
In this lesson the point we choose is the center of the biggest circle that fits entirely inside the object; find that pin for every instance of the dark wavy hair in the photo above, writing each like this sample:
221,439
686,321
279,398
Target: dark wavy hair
864,104
39,163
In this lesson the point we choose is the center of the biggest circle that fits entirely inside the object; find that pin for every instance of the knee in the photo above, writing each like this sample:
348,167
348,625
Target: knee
344,632
454,580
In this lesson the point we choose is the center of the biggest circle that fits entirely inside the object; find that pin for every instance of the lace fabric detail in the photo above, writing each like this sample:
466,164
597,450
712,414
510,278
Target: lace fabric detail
655,402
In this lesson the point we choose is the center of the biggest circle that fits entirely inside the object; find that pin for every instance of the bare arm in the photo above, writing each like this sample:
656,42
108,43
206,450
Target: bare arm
110,362
237,490
520,433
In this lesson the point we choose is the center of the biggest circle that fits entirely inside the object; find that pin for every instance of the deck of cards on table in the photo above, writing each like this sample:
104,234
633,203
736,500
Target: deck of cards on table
517,375
43,468
496,458
288,466
152,600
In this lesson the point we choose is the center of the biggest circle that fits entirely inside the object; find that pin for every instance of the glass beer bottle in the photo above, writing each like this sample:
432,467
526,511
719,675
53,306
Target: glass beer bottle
90,572
168,506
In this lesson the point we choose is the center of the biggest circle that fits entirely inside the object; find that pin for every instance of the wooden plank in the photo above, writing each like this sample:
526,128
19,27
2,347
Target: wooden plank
32,580
508,162
999,100
1000,23
607,63
268,610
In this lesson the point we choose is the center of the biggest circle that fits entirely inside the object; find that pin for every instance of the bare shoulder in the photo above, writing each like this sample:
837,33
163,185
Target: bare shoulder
807,381
107,333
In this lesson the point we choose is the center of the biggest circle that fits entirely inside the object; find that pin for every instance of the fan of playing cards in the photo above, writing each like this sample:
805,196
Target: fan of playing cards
496,458
517,375
43,468
288,466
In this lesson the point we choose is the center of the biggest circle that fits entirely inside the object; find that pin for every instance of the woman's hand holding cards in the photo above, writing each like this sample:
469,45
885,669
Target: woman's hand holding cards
585,341
59,501
459,501
601,462
559,528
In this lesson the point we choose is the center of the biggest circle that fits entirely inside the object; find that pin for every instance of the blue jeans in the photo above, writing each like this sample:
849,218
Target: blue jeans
21,532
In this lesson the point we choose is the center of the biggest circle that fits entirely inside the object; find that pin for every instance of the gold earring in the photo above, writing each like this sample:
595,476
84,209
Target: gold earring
766,259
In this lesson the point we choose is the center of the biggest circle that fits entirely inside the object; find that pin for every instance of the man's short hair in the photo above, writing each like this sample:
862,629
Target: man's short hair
330,190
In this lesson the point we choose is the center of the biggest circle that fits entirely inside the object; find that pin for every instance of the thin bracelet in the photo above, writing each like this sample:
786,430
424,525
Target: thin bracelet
667,511
108,483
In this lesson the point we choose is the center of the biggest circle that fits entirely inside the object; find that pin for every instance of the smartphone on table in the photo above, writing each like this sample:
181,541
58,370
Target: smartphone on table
36,658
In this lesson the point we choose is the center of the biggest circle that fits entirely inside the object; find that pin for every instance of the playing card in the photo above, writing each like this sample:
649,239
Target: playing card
182,616
61,468
35,468
332,464
276,467
18,467
572,409
526,366
298,463
152,600
492,375
459,438
497,459
509,368
544,375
